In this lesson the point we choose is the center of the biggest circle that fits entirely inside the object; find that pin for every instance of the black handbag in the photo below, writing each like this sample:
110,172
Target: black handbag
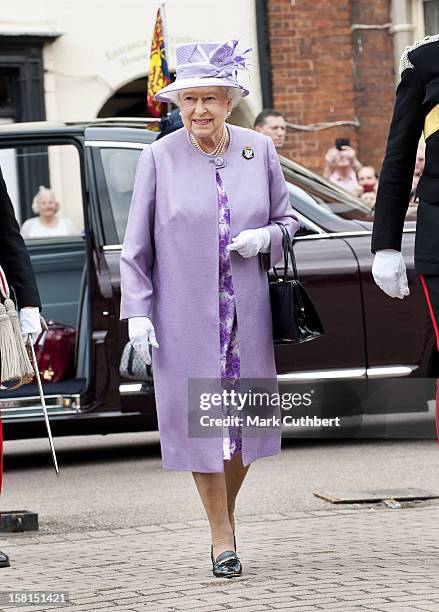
294,316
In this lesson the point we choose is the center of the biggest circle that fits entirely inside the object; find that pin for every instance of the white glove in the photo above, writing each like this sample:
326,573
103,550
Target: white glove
389,273
141,333
251,242
30,323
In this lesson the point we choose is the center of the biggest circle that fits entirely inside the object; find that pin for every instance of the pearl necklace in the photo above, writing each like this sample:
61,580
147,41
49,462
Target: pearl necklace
218,150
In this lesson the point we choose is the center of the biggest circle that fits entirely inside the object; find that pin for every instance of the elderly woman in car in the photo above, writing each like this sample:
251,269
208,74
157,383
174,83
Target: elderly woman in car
200,238
47,223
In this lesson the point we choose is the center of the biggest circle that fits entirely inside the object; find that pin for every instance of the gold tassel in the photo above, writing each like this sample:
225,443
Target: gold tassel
25,367
10,366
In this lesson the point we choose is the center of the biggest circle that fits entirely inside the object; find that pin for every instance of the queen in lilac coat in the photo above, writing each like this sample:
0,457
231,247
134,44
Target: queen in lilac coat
169,272
202,232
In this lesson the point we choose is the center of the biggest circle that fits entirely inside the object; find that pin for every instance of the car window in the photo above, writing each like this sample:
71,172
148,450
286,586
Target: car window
310,194
323,203
44,184
301,202
119,169
327,201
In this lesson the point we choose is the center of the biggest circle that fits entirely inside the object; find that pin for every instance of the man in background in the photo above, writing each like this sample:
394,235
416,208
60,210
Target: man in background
272,123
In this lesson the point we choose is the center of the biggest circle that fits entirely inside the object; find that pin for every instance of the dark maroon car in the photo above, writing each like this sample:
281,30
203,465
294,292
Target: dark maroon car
377,354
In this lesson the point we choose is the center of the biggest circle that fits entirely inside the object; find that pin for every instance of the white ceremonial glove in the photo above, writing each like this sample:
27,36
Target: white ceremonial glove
141,333
30,323
389,273
250,242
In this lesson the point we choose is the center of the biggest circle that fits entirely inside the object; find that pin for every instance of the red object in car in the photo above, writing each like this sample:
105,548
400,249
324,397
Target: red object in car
55,352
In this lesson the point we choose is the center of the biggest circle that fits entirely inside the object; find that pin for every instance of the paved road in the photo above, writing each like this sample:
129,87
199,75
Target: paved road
350,560
118,481
119,532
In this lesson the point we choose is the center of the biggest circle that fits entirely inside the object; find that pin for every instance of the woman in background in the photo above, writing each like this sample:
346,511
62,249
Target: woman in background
341,166
48,222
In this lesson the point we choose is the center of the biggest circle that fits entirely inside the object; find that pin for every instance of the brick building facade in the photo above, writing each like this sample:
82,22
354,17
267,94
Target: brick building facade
327,67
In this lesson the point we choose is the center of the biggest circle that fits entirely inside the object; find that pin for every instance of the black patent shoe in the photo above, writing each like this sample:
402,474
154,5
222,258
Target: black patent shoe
226,565
4,559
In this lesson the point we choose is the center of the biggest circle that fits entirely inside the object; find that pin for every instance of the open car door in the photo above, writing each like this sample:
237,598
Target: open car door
52,166
111,166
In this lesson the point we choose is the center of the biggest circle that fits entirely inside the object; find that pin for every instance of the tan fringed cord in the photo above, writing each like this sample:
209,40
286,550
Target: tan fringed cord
25,367
10,365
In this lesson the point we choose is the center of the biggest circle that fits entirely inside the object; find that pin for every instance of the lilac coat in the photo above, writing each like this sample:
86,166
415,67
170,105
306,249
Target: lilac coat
169,272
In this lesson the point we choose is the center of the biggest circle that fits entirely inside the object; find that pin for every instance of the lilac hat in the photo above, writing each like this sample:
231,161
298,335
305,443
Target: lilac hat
206,65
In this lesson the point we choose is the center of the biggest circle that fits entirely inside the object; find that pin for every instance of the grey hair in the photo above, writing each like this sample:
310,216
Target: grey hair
232,93
35,202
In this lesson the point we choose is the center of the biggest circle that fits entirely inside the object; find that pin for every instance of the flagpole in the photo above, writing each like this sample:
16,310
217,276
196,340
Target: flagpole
165,38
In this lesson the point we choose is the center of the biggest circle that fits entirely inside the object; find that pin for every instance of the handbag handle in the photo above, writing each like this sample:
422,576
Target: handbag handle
285,254
287,249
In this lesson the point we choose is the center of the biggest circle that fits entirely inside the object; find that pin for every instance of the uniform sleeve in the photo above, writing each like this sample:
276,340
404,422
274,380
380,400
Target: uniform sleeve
396,175
14,257
280,210
137,257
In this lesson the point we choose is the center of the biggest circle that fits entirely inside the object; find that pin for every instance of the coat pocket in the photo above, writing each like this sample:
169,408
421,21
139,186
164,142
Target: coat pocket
428,189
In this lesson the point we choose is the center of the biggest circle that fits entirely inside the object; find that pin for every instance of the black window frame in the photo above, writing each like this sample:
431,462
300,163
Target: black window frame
22,57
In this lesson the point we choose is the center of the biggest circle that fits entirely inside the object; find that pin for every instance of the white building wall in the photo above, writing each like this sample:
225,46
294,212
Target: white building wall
105,45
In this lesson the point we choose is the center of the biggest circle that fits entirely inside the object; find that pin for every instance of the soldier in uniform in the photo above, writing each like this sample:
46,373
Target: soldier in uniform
416,110
16,263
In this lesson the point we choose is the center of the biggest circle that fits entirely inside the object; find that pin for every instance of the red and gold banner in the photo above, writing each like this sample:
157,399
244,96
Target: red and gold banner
158,67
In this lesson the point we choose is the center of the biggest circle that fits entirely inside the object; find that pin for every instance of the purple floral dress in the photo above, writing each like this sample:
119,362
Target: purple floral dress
229,346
